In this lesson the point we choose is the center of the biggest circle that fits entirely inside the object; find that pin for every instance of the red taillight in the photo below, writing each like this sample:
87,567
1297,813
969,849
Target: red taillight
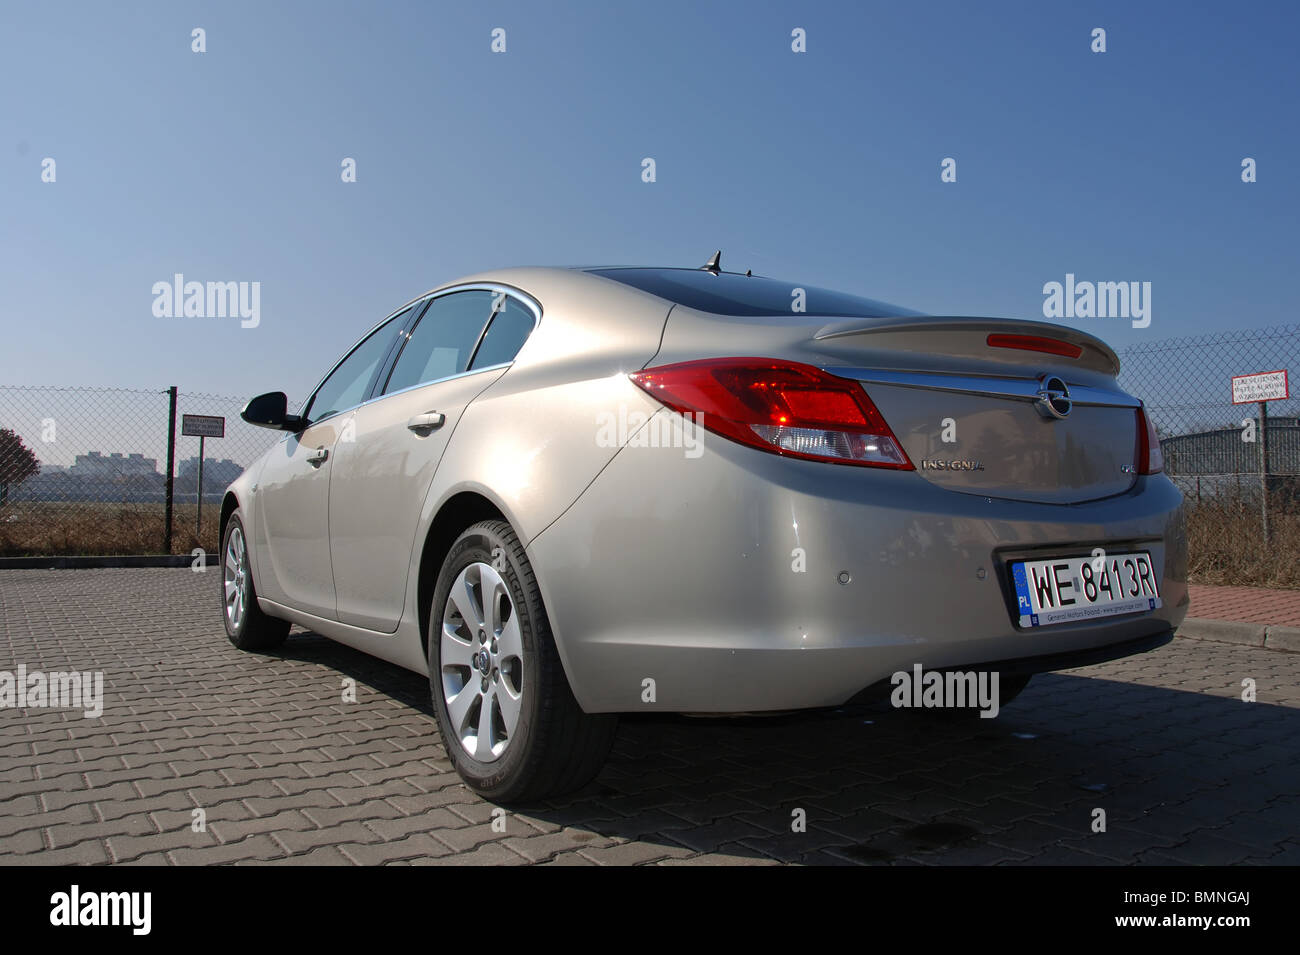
783,407
1150,459
1035,343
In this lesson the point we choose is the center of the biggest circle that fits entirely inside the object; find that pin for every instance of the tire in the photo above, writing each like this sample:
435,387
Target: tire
508,718
246,625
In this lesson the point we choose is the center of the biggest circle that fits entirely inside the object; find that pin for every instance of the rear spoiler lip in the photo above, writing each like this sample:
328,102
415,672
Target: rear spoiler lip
1014,326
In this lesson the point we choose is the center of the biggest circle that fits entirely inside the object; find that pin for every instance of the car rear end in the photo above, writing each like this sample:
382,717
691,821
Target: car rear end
864,493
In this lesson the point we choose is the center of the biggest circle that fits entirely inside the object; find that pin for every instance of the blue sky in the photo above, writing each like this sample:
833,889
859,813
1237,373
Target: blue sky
822,167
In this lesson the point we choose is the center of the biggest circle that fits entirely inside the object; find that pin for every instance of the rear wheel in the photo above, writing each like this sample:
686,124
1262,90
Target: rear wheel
508,718
246,626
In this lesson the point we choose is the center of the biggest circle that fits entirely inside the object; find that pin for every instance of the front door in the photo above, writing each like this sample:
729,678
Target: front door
293,534
292,491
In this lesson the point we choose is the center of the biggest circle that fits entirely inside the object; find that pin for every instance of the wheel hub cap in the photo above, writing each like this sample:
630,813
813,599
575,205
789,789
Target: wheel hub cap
235,578
481,658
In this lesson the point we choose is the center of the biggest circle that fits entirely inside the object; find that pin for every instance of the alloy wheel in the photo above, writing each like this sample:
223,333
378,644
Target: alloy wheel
482,662
235,574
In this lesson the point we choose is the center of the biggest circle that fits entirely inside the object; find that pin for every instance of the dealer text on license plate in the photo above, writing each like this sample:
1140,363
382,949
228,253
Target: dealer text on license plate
1071,589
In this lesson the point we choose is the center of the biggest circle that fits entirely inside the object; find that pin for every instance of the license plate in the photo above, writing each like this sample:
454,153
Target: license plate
1070,589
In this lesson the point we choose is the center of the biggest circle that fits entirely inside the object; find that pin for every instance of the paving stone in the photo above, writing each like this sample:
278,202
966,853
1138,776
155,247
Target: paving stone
632,853
289,775
258,846
414,846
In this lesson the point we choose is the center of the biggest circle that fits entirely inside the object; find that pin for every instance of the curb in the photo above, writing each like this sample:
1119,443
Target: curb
1267,636
1284,638
73,563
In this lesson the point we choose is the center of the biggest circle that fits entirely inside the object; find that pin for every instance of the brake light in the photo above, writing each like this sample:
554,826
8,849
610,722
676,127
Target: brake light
1150,459
782,407
1050,346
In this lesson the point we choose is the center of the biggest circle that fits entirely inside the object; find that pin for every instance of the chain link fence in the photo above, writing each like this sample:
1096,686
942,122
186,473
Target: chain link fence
1214,450
84,470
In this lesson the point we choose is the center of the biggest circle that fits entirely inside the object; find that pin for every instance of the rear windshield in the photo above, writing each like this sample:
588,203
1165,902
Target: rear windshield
747,295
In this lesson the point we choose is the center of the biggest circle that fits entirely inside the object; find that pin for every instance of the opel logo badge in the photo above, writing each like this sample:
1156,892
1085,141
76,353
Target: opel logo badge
1053,398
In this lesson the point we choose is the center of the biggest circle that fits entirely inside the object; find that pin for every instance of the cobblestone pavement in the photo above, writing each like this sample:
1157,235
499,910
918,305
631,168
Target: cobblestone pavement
286,772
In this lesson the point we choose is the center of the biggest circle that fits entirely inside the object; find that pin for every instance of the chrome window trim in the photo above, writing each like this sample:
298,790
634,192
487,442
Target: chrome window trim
311,395
1024,389
523,297
435,381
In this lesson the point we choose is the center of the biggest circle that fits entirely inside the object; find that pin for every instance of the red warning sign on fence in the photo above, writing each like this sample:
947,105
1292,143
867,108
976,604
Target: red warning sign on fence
1264,386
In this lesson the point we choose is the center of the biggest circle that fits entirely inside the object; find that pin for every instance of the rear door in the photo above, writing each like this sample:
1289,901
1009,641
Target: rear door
463,342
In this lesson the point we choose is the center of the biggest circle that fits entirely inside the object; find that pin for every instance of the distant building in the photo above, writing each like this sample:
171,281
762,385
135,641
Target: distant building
95,476
94,464
215,473
1220,461
1225,450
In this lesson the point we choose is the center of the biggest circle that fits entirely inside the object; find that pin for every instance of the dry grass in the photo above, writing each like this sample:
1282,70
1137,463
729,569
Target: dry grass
1225,541
58,529
1224,536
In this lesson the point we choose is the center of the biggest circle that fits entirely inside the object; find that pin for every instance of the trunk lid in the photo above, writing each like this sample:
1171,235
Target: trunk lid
1000,420
1005,420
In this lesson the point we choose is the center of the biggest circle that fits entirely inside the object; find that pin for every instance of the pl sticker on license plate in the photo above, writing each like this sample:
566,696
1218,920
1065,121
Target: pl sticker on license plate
1071,589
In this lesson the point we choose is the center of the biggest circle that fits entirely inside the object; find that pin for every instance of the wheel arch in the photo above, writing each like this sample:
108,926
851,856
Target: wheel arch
460,511
228,505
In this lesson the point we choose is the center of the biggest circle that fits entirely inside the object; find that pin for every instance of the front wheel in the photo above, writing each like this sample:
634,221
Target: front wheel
246,626
508,719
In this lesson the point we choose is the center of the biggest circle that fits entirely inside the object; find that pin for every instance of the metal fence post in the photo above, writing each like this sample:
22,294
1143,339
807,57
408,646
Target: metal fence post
1263,467
171,468
198,521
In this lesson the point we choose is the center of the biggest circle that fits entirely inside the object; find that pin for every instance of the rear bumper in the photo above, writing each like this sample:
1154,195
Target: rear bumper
742,581
1027,666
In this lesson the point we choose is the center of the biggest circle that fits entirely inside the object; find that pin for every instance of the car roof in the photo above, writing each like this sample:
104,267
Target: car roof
736,294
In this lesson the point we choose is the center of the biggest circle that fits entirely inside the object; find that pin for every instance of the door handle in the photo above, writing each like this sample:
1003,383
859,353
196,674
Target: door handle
320,456
427,421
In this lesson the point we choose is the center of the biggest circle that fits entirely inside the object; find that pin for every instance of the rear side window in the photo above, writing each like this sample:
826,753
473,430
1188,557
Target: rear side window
510,327
443,342
748,295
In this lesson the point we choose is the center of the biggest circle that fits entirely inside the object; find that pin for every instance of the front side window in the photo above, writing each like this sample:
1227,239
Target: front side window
443,341
349,383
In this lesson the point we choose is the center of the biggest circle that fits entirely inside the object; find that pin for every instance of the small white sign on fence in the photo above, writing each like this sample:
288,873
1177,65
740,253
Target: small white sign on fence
1265,386
203,426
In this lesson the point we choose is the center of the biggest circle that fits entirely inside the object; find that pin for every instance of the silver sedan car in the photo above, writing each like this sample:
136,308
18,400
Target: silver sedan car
563,494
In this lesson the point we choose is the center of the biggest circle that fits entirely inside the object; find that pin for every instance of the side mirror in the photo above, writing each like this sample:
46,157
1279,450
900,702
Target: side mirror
271,410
